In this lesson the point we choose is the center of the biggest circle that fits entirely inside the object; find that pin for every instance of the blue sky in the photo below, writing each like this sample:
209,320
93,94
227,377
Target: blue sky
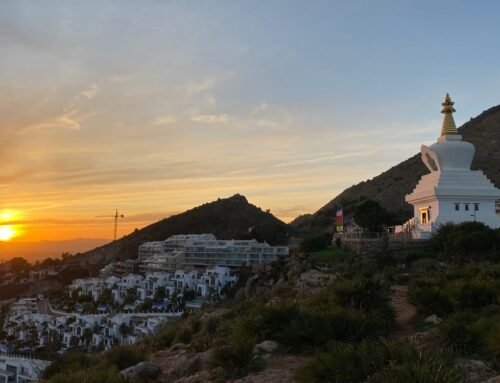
156,106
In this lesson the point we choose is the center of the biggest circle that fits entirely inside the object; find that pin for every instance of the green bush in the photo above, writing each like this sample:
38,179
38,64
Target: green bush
493,343
69,362
430,298
361,293
316,243
235,352
124,356
477,293
309,327
460,334
379,362
468,239
107,375
184,335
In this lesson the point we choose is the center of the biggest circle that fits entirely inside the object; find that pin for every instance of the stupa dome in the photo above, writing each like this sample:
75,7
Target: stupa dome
450,152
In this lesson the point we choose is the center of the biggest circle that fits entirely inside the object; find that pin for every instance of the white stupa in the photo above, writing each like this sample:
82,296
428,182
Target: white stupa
452,192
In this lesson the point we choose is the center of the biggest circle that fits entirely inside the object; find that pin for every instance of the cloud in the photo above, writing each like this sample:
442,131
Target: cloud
164,120
211,118
121,78
69,120
91,91
262,107
321,159
201,86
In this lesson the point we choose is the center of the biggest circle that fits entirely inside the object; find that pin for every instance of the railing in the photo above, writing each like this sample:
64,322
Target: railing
402,236
169,313
21,356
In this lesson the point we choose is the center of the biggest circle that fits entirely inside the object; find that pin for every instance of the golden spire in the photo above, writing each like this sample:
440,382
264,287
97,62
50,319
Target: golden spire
449,126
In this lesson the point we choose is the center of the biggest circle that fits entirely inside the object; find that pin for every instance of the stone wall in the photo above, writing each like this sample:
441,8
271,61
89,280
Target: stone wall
377,246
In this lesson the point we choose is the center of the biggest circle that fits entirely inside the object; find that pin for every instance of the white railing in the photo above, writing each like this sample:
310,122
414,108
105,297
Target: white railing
369,236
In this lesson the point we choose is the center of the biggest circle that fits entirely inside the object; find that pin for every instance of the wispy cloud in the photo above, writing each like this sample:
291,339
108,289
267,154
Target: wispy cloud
91,91
211,118
164,120
200,86
70,120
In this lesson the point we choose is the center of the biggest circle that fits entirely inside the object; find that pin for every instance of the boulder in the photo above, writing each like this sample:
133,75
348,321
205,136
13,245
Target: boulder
266,347
476,370
142,372
177,362
313,281
433,319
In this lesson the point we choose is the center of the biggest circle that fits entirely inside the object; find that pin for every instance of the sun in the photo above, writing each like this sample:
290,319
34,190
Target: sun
7,232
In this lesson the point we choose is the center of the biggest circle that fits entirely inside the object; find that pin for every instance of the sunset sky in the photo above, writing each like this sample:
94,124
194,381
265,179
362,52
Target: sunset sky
153,107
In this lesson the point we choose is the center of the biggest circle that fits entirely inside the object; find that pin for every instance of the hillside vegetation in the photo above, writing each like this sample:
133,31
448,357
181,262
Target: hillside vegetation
390,187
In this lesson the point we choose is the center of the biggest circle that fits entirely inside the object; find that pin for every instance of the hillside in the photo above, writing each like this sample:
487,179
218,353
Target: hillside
390,187
227,218
417,316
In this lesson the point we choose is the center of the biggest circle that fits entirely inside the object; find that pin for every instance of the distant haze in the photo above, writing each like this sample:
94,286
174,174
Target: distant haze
33,251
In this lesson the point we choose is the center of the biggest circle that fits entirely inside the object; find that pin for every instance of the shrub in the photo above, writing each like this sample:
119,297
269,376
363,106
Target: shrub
466,239
460,335
379,362
493,344
361,294
316,243
431,299
70,361
235,354
477,293
311,327
107,375
124,356
183,335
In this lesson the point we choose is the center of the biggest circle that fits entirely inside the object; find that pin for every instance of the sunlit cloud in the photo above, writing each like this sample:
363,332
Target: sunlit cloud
211,118
91,91
70,120
164,120
201,86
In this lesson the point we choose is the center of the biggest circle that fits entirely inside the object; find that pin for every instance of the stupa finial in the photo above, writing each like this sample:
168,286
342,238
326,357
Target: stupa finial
449,126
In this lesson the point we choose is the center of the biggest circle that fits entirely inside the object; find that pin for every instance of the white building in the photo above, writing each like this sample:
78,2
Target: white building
451,192
173,243
21,370
204,250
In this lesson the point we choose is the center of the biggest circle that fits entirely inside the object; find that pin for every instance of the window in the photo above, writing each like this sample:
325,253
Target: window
466,206
424,216
457,207
476,207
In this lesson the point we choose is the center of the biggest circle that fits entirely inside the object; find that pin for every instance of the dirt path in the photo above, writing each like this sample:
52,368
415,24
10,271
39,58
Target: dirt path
279,369
405,312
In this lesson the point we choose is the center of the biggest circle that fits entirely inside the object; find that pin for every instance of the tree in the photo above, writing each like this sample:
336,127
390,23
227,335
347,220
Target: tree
274,233
371,216
316,242
106,297
189,295
18,265
160,294
131,297
125,329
